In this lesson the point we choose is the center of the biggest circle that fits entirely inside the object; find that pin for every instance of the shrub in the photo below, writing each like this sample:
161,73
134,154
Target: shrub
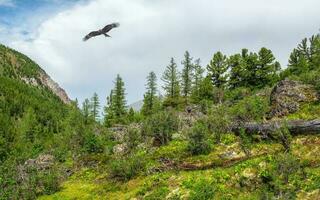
278,176
219,122
283,135
161,126
133,138
251,108
201,190
198,139
92,143
128,167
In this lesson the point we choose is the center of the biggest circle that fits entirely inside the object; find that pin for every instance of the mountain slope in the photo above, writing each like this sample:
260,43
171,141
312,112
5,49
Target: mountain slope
18,66
38,128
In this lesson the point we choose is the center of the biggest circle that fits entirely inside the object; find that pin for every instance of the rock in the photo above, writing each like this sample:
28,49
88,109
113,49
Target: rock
43,161
120,149
54,87
230,155
287,96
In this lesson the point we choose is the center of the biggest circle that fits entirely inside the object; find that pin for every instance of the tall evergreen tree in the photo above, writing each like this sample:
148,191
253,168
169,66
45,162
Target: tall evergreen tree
108,111
305,57
217,69
187,75
116,108
95,106
171,86
197,79
86,110
150,98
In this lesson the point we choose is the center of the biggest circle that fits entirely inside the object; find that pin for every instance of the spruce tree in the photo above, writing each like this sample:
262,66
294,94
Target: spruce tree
187,75
171,86
217,69
116,109
150,98
86,110
108,111
95,106
267,69
197,79
119,99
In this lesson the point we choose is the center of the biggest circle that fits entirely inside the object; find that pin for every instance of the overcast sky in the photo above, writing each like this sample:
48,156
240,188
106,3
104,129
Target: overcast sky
151,31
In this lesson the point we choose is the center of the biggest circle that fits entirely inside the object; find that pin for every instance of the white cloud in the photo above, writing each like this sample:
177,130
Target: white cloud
151,33
8,3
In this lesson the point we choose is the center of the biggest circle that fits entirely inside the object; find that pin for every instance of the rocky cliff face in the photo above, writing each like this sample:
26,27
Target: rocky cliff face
18,66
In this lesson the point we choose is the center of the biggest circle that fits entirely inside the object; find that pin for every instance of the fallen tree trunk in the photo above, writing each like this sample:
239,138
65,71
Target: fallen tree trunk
295,127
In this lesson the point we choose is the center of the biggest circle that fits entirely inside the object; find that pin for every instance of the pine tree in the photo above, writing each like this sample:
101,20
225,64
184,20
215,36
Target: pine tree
150,98
119,99
187,75
86,110
267,69
237,67
95,106
116,109
197,79
108,111
217,69
171,86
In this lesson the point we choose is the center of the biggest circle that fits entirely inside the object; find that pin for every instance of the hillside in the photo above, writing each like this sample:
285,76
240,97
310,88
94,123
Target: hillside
236,132
36,121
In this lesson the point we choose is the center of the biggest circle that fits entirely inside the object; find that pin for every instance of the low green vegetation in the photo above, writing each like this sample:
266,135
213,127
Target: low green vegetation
179,146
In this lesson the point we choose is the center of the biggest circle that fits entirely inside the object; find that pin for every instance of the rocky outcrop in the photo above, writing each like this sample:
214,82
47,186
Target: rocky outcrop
287,96
54,87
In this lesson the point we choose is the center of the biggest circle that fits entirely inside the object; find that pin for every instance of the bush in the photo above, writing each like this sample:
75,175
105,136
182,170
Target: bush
201,190
199,139
161,126
251,108
219,122
133,138
92,143
283,135
128,167
279,176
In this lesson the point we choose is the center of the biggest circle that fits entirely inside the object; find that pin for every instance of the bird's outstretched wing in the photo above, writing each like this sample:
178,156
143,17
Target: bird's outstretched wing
108,27
92,34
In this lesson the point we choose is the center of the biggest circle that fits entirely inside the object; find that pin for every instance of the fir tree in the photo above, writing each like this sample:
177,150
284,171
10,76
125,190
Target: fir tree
116,109
95,106
187,75
108,111
171,86
86,110
268,69
197,79
217,69
150,98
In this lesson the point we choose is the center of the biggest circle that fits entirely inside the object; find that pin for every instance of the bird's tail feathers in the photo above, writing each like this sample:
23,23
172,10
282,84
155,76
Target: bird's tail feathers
116,24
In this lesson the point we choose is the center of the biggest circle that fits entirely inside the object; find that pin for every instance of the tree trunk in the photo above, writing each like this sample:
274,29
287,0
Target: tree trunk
295,127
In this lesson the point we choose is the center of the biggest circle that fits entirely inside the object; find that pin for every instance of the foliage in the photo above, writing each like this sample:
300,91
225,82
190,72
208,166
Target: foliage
127,167
171,86
116,109
95,104
187,75
197,80
151,102
160,126
219,122
252,108
199,139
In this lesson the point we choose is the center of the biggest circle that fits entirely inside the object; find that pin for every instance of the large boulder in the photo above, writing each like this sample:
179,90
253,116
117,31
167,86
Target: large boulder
287,96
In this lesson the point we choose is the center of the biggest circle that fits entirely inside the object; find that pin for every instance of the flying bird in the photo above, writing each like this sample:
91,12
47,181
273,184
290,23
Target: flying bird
103,31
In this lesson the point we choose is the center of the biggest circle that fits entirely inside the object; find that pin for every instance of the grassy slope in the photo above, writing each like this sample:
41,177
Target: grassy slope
223,180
